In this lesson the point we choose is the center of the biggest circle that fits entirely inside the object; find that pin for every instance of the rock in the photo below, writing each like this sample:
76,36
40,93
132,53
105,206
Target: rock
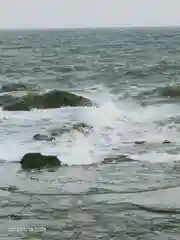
13,87
38,161
17,105
52,99
11,103
43,137
59,131
82,127
55,99
171,91
16,216
12,188
166,142
6,98
139,142
117,159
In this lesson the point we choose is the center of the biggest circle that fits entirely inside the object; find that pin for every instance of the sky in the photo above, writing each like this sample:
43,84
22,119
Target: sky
88,13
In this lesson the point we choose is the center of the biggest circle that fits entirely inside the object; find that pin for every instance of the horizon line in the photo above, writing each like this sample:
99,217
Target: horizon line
89,27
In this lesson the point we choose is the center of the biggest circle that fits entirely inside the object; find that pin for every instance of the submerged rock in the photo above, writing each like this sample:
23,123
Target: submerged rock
11,103
117,159
140,142
16,105
82,127
171,91
43,137
38,161
55,99
13,87
166,142
6,98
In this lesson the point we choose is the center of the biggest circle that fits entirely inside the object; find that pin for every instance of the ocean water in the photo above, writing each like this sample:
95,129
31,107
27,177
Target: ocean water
112,187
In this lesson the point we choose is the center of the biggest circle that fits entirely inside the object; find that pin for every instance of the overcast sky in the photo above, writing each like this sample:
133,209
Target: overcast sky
88,13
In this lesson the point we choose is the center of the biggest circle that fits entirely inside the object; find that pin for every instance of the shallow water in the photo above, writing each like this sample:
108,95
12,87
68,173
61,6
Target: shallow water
134,193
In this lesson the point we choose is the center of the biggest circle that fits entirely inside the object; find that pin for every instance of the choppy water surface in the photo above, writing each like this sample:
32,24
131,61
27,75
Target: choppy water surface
112,187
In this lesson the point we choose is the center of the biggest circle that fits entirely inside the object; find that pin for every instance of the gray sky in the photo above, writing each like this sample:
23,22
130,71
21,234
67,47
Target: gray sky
88,13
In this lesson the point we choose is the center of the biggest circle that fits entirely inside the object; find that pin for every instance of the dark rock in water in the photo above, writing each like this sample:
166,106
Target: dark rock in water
171,91
82,127
13,87
6,98
16,105
52,99
16,216
38,161
166,142
12,188
42,137
11,103
59,131
139,142
117,159
55,99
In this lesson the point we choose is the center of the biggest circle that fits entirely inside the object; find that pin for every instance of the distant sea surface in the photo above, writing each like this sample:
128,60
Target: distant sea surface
113,188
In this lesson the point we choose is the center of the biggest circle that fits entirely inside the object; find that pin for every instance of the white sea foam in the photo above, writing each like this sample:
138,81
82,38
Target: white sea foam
114,122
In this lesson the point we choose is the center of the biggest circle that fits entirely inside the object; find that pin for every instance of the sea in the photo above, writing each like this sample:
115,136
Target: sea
121,181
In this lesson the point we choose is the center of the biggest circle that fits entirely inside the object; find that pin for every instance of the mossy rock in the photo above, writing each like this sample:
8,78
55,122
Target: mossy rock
55,99
38,161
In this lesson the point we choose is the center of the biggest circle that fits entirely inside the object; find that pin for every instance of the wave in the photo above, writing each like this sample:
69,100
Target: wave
116,126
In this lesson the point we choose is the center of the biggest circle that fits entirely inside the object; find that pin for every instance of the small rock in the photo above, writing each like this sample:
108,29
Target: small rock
16,216
41,137
12,188
38,161
166,142
139,142
82,127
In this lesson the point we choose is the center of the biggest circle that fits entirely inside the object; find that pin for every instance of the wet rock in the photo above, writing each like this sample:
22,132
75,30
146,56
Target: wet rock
166,142
13,87
11,103
43,137
59,131
39,161
170,91
16,216
117,159
6,98
12,188
82,127
55,99
16,105
139,142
